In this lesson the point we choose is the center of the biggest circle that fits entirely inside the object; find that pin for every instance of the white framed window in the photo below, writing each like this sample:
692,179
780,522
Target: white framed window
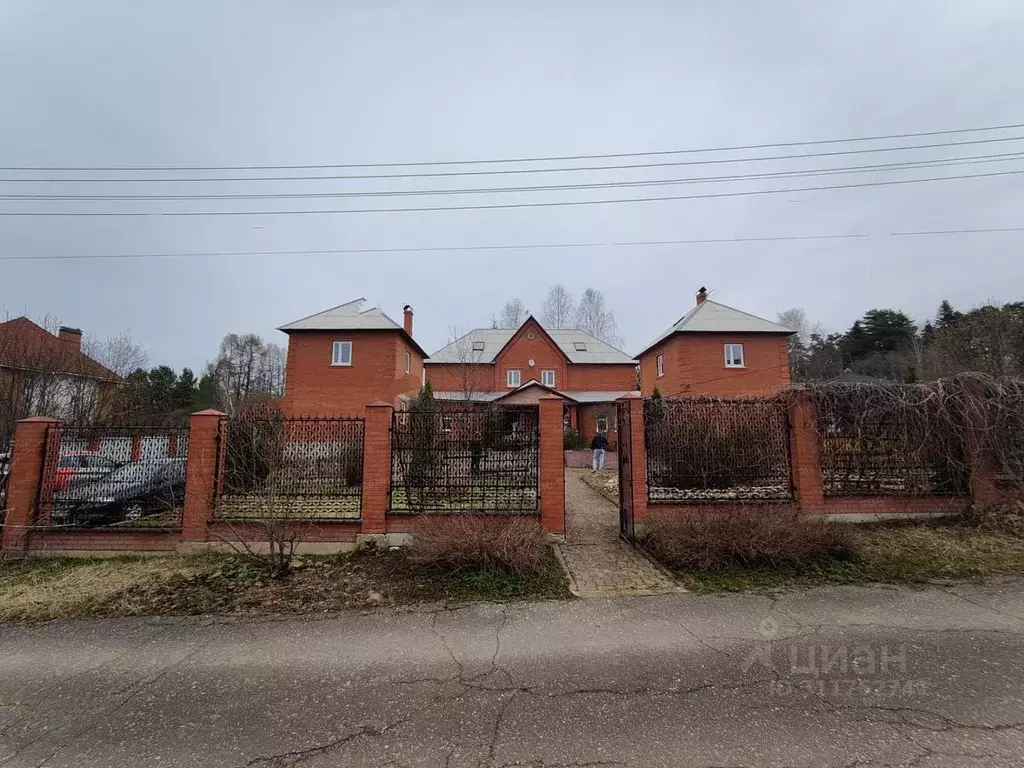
341,353
513,377
602,424
547,378
408,362
661,366
734,356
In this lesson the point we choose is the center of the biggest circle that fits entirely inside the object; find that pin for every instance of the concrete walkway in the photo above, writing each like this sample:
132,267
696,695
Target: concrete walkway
825,678
600,564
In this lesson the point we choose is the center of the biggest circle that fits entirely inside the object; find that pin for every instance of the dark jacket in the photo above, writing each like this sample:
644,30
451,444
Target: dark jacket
599,443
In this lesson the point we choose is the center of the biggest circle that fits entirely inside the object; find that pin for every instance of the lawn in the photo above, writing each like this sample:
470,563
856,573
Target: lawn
41,589
884,553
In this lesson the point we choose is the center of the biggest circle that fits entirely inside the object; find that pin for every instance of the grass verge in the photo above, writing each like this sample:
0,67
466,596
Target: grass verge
42,589
600,481
882,553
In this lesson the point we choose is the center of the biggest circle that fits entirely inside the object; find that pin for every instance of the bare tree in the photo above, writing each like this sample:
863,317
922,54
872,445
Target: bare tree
513,314
120,353
593,316
468,355
247,369
558,309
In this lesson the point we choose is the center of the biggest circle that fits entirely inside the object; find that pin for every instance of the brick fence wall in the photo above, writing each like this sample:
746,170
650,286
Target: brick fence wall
807,482
22,530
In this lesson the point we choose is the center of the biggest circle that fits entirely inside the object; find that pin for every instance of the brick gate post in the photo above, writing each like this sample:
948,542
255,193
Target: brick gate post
804,459
25,479
376,466
637,460
202,473
552,464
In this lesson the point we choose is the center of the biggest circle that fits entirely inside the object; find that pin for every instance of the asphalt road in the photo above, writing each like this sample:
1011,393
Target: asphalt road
829,677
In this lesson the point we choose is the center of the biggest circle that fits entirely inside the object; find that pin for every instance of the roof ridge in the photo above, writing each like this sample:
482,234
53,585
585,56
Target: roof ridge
325,311
748,314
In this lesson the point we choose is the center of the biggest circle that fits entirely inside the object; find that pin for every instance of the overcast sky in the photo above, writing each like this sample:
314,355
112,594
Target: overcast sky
212,83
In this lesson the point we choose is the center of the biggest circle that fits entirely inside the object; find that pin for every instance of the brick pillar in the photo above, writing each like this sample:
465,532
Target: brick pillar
24,480
636,462
805,461
552,464
377,466
201,474
136,447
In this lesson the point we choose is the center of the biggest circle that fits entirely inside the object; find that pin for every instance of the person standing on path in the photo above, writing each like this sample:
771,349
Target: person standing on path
598,444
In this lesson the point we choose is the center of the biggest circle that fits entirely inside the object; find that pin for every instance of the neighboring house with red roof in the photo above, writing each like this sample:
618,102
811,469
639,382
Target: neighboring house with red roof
46,374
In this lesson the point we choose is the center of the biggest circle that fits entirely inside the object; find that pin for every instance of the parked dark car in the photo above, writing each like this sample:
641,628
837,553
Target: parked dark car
133,492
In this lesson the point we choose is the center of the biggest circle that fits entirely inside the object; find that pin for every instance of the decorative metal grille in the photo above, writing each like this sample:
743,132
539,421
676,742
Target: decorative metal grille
713,450
113,477
5,470
465,459
295,467
868,449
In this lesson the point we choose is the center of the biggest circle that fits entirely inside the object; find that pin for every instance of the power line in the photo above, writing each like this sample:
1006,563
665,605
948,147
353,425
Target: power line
511,247
806,173
548,158
497,206
441,174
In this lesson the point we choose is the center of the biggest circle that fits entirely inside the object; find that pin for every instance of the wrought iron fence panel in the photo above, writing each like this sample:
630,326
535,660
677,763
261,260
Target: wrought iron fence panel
714,450
883,453
291,467
465,459
100,476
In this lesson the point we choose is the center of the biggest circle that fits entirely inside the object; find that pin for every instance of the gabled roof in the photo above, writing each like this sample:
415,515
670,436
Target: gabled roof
28,346
496,339
350,317
712,317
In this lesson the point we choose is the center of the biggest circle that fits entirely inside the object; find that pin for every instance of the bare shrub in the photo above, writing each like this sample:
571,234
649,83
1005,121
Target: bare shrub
1004,517
516,546
742,536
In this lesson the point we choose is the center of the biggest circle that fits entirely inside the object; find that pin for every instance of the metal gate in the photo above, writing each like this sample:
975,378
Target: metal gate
626,527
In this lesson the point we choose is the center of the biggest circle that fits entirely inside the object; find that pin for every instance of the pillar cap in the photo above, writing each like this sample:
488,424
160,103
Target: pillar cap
39,420
630,396
380,404
209,412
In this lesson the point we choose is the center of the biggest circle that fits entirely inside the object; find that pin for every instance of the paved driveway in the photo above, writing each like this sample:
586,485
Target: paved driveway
600,564
829,677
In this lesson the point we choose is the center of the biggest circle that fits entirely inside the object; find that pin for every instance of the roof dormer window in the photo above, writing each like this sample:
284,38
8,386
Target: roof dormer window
579,346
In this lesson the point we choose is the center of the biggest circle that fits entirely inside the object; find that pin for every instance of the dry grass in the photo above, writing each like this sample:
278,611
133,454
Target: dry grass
881,553
49,588
514,546
42,589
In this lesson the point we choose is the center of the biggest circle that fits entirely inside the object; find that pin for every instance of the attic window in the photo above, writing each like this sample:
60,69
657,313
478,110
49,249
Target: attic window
478,346
579,346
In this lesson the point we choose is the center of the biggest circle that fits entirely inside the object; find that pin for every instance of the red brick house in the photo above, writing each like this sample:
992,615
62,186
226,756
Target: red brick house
494,365
343,358
716,350
346,357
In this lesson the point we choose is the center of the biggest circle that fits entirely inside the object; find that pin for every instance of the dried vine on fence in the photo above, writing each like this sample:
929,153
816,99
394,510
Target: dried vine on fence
919,439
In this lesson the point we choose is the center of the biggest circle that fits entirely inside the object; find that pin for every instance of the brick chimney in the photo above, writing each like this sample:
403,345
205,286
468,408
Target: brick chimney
408,319
702,295
71,336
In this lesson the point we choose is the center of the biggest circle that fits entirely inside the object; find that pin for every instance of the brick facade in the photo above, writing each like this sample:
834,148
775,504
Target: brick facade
314,386
694,364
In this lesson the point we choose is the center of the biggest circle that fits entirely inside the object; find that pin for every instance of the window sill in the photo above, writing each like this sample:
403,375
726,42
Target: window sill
735,367
341,365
